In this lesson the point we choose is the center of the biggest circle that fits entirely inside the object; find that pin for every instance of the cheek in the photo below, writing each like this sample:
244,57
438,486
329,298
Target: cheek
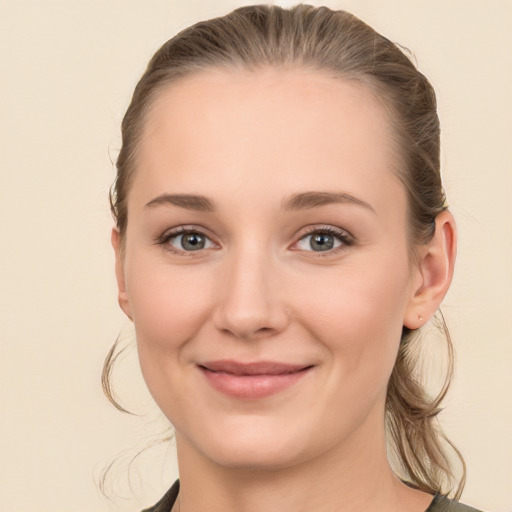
166,300
357,311
169,305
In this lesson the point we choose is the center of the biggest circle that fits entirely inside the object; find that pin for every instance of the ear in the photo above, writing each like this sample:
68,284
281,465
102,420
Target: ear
121,285
433,273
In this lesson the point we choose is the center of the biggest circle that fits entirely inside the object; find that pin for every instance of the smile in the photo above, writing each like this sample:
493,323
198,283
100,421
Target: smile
252,380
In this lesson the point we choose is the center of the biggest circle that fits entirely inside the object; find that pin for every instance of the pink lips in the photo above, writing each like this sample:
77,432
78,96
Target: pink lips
252,380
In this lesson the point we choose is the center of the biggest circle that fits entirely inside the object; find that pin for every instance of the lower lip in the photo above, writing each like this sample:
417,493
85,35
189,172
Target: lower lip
252,386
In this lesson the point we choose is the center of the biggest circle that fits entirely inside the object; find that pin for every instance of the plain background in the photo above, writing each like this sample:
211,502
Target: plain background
67,70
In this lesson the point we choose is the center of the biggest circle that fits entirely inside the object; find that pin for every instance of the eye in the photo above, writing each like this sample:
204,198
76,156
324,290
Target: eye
323,240
186,240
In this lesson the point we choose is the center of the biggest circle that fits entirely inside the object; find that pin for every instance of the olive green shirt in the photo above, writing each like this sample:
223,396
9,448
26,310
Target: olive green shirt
439,503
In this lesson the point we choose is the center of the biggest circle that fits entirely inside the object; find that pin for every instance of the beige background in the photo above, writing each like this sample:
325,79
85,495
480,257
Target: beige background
67,69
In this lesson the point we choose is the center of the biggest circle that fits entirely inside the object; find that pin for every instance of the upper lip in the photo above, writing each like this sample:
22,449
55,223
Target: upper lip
254,368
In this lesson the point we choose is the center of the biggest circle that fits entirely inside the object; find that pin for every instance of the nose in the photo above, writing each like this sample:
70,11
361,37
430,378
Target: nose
251,298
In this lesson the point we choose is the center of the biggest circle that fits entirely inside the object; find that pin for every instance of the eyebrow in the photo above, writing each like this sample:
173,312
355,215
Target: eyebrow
302,201
187,201
308,200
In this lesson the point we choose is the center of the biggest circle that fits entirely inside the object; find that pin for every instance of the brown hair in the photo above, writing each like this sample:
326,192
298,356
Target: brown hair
341,45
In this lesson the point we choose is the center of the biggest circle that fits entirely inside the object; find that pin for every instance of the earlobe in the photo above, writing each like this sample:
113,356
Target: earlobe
435,267
123,300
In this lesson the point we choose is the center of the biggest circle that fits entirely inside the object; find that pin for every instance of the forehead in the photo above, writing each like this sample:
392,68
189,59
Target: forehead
286,127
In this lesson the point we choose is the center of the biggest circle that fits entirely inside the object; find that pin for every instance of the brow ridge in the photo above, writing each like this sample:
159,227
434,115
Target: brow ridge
187,201
306,200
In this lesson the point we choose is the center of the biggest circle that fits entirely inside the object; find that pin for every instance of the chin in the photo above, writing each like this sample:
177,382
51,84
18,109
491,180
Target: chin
257,444
256,456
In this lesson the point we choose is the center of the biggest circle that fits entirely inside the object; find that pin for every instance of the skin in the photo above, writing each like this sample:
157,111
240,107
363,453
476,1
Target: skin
249,142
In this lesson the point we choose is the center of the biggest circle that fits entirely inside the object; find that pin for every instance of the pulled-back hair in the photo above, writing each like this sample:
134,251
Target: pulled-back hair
341,45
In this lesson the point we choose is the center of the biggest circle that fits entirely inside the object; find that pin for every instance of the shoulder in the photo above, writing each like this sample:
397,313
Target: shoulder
441,503
167,502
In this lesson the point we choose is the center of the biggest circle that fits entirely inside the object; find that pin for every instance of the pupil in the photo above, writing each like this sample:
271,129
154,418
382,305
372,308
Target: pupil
322,242
192,242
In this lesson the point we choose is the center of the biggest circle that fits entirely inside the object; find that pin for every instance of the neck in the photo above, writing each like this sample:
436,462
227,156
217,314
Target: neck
354,476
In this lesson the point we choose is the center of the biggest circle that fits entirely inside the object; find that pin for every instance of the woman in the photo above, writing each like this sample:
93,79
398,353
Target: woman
281,234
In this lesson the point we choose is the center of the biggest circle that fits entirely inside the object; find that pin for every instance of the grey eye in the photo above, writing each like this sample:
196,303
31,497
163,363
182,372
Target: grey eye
320,242
191,241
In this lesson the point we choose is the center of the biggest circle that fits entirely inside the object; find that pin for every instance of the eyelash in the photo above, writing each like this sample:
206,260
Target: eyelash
182,230
342,236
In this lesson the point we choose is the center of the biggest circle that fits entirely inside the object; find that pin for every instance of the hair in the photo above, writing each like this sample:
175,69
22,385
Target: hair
337,43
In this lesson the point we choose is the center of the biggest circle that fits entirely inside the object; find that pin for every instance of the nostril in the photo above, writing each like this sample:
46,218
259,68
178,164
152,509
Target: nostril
261,332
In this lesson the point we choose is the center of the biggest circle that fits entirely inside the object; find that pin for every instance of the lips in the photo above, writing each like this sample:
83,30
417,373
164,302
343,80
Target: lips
257,368
252,380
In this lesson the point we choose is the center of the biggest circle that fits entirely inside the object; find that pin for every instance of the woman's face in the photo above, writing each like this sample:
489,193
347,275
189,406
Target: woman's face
266,264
